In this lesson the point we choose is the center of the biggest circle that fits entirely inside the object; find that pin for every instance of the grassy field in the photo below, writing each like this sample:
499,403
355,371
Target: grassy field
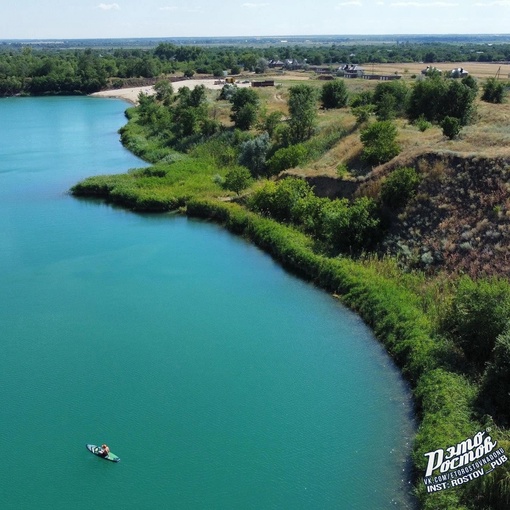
476,69
487,135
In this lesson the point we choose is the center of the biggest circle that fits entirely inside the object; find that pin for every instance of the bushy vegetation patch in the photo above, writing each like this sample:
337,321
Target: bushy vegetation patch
479,312
436,98
163,187
451,127
334,94
379,142
338,224
493,91
400,187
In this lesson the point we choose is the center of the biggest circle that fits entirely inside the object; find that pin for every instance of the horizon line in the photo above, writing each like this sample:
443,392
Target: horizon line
449,34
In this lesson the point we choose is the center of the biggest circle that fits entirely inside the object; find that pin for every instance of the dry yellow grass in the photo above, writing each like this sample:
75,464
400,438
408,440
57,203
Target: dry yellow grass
488,135
481,70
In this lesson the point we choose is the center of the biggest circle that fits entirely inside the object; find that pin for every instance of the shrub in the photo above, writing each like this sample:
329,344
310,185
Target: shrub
451,127
470,82
379,141
478,313
362,113
288,157
334,94
493,491
279,200
227,91
493,91
364,98
496,380
399,187
342,170
350,227
422,124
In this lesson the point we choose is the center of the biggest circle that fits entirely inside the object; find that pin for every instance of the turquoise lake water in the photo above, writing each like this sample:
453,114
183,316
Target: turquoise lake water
220,380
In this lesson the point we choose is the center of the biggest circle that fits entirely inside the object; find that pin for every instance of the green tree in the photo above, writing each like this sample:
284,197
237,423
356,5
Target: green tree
197,97
334,94
287,157
436,98
237,179
457,101
261,66
379,142
390,99
470,82
302,105
426,99
235,69
386,107
245,106
493,91
190,112
253,153
164,91
270,122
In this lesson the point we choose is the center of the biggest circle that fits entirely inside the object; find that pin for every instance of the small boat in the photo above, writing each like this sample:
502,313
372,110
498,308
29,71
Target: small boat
97,450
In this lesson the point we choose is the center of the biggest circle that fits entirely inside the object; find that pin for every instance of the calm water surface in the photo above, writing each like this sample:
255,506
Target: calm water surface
220,380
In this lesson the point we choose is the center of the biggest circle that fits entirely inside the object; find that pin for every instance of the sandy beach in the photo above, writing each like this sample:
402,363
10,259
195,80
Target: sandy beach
131,94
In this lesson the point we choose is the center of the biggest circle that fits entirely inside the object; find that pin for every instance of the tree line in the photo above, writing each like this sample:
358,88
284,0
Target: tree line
27,70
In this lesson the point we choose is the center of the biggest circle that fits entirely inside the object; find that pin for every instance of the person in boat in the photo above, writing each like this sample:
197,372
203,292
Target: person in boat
105,450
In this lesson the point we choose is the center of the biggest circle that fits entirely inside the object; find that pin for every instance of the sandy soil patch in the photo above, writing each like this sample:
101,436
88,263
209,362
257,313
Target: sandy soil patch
131,94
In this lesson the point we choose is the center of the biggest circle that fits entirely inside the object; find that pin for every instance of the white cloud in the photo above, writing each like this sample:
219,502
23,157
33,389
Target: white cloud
424,4
109,7
169,8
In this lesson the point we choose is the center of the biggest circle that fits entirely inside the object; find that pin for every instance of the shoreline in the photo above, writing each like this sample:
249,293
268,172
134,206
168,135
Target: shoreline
131,94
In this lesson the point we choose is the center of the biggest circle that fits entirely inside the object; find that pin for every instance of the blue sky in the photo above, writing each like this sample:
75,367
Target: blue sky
48,19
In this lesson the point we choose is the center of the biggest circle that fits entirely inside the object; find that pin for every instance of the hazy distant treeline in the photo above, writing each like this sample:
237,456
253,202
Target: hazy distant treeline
48,70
